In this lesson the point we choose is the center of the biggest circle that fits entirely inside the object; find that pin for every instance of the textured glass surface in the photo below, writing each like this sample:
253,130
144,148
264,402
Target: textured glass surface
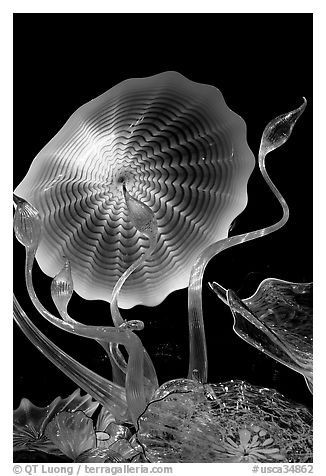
66,429
128,202
30,421
277,320
72,433
177,147
233,422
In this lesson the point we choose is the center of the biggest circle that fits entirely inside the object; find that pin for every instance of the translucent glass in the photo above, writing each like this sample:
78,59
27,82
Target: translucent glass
233,422
128,202
72,433
141,379
31,421
275,134
277,320
178,149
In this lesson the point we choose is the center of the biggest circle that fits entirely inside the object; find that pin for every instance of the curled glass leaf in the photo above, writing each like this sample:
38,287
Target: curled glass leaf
72,433
277,320
242,423
30,421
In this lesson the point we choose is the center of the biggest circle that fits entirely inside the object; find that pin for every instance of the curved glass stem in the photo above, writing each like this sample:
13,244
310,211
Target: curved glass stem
61,292
110,395
28,229
115,313
144,221
139,388
275,134
134,378
149,369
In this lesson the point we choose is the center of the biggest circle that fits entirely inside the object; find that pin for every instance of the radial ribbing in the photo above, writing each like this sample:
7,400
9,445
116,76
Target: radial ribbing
177,147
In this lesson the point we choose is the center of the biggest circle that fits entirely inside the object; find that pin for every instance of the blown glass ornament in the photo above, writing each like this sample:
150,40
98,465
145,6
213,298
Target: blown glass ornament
128,202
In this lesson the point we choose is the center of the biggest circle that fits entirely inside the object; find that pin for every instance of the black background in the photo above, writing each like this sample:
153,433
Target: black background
262,63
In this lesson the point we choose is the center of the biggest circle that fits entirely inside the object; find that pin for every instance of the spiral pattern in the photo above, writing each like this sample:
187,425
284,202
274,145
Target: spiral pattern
177,147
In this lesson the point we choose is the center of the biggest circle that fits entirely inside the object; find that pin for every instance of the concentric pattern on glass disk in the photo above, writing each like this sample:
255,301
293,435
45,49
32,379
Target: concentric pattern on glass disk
177,147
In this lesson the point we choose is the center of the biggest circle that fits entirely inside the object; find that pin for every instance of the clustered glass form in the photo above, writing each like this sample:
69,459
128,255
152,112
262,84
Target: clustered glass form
128,202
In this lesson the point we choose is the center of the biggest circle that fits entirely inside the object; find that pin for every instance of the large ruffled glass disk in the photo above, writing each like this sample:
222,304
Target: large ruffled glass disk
177,148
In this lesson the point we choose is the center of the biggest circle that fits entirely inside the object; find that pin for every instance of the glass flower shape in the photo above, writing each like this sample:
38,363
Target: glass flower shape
250,447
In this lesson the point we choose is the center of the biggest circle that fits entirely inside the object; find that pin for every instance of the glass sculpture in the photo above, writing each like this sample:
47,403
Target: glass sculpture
127,203
277,320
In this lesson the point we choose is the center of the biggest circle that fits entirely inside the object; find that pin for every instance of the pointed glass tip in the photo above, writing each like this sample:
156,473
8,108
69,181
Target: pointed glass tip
278,130
219,291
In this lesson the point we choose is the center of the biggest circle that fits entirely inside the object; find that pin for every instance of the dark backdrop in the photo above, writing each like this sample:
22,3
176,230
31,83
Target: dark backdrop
262,63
